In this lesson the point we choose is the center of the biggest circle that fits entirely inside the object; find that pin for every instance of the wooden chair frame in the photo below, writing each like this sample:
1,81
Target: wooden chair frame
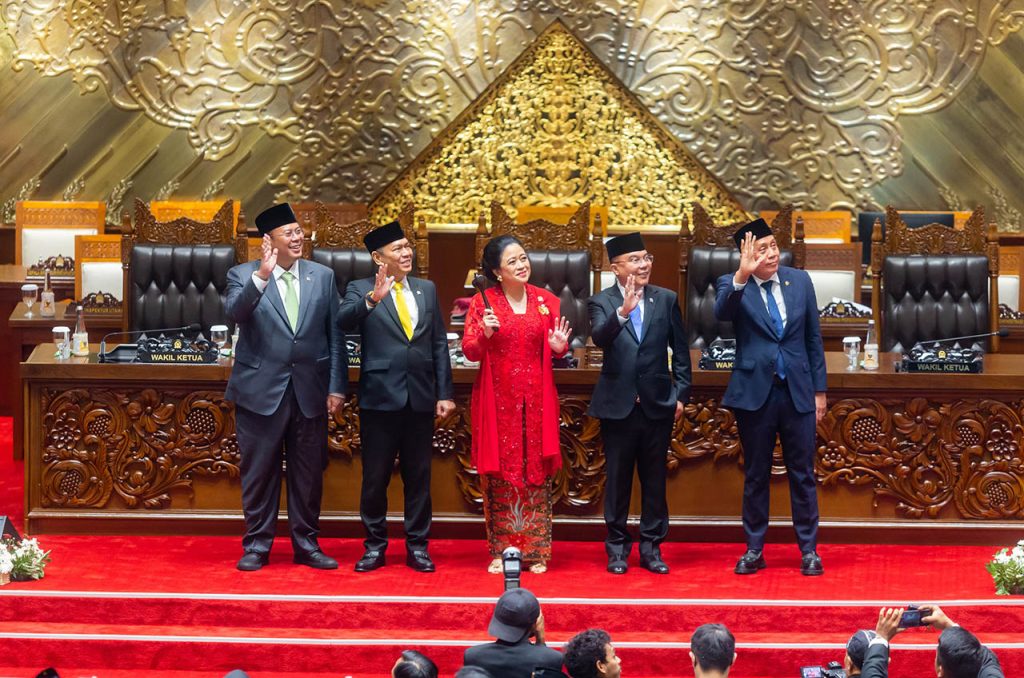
42,214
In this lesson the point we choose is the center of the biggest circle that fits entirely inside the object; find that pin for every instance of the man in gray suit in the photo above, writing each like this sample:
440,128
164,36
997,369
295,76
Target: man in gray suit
405,380
290,371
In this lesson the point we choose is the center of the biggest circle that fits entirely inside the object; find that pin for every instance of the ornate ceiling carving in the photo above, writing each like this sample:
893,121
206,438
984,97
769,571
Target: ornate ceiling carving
783,100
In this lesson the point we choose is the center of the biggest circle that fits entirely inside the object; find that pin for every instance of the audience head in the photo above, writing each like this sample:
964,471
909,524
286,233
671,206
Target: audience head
590,655
473,672
505,260
856,648
959,654
712,650
413,664
515,616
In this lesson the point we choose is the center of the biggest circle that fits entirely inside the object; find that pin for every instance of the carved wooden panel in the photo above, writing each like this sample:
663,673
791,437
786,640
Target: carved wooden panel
974,238
135,447
927,455
706,232
182,230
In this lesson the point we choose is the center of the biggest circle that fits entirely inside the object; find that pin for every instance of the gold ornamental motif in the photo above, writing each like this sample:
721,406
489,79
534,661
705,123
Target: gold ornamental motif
557,129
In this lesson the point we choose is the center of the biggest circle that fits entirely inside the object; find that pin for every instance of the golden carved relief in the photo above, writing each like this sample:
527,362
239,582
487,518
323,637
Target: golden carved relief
557,129
783,101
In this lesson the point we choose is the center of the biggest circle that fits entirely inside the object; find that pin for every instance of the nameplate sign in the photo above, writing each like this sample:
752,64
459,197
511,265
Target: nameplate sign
712,364
177,350
972,367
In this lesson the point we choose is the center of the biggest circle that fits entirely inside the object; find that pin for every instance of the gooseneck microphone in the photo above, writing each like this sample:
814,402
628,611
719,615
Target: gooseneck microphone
1001,332
194,327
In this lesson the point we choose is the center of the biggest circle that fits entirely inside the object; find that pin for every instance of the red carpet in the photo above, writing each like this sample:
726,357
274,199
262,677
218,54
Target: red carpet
176,607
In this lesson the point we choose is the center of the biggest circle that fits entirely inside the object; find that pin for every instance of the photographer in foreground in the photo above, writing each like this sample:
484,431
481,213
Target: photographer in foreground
959,653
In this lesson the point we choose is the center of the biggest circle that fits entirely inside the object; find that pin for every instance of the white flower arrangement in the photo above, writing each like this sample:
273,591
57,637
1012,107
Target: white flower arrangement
1007,570
22,560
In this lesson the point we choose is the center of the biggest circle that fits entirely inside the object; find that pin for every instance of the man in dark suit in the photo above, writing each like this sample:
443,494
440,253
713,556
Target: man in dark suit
290,370
777,387
405,380
517,619
636,399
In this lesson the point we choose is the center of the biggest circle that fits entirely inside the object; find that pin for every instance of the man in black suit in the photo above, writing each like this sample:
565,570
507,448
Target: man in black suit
636,398
517,619
290,371
405,380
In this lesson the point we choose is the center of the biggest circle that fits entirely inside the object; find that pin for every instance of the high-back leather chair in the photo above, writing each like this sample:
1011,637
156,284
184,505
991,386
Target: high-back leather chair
707,253
175,272
339,246
565,260
935,282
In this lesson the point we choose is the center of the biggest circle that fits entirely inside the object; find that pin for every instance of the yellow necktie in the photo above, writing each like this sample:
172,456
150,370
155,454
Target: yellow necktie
403,311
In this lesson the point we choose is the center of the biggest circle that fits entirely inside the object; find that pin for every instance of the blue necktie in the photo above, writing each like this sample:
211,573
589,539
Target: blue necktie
638,322
776,316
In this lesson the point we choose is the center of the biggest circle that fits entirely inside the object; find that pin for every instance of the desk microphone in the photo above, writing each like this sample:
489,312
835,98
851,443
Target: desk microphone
194,327
480,283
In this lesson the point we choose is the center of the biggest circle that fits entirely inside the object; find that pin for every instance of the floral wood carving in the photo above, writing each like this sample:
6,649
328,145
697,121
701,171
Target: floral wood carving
137,446
927,455
709,234
183,231
939,239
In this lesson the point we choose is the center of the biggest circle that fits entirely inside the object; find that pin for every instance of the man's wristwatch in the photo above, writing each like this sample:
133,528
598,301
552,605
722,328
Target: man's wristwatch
370,300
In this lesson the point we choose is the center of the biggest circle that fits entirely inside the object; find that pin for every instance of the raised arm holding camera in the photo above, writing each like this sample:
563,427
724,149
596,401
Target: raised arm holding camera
959,654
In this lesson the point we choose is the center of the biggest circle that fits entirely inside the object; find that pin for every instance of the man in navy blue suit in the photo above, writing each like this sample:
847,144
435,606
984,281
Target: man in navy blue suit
777,387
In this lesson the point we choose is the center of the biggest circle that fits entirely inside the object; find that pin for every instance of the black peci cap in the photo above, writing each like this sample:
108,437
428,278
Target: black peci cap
759,227
623,244
379,237
272,217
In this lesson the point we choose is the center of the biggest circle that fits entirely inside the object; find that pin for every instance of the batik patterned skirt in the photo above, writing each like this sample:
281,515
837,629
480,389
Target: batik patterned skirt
518,516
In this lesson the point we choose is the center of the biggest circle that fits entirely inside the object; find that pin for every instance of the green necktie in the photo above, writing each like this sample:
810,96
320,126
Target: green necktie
291,299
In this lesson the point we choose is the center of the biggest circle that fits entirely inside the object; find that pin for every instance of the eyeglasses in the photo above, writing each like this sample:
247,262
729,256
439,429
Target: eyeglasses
636,261
288,235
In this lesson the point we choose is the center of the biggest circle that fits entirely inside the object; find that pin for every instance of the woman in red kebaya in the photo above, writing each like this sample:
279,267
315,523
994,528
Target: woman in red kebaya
515,406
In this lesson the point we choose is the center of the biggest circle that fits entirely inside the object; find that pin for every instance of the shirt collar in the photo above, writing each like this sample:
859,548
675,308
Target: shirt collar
760,282
278,271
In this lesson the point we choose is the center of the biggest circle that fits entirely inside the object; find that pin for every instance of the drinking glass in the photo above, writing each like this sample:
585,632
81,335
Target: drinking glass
62,340
29,294
851,346
219,336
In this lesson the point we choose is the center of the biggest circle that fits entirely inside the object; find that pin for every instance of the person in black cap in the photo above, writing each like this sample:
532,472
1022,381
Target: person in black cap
636,398
777,387
856,649
290,371
517,620
405,381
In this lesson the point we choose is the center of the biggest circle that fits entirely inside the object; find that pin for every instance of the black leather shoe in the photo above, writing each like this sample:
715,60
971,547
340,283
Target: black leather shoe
810,565
317,560
252,561
370,561
617,563
653,562
418,560
750,562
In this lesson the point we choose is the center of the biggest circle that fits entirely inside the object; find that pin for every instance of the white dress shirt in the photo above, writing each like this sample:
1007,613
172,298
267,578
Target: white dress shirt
776,292
410,301
282,286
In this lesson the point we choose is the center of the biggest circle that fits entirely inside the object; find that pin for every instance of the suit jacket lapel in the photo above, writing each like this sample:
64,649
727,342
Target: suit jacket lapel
388,303
617,297
752,297
421,303
276,301
306,285
649,302
788,296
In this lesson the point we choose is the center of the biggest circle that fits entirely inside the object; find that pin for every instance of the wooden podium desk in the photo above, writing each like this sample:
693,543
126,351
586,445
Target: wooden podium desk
151,449
28,332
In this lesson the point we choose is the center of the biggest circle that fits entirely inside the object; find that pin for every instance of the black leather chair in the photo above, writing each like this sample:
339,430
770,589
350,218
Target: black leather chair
707,253
175,272
565,260
866,226
935,282
339,246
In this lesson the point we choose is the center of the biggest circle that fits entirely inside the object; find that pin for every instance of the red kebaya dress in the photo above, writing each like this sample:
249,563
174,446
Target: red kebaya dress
515,421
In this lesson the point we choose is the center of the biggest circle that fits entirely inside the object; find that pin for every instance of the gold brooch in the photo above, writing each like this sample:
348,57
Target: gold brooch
542,308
